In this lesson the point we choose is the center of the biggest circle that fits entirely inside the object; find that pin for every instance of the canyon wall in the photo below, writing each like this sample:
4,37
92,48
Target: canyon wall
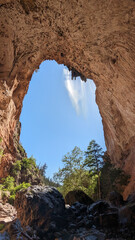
94,37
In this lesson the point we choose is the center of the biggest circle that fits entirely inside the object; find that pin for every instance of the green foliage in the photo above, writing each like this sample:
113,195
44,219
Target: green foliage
28,163
74,175
80,180
49,182
72,162
12,199
5,193
8,183
25,163
88,172
21,186
1,152
93,161
42,169
42,175
16,167
93,158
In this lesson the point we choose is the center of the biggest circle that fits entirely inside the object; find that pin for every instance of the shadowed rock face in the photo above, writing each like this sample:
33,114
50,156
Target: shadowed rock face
42,212
78,196
42,205
96,39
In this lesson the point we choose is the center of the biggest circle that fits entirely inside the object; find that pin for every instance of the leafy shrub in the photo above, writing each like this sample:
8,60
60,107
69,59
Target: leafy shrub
12,198
20,149
28,163
16,189
16,167
8,183
22,186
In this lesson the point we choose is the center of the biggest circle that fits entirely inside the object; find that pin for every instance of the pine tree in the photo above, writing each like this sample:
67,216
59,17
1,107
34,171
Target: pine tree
93,161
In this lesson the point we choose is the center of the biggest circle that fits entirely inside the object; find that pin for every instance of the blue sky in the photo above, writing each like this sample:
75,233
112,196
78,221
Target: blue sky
58,114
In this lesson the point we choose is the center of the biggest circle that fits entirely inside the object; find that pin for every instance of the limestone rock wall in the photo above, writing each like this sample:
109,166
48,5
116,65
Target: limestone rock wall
94,37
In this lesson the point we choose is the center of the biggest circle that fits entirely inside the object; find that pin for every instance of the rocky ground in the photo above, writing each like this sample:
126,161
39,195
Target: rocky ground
42,214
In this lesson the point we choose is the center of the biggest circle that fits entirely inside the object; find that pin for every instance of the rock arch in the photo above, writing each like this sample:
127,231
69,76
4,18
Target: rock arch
96,38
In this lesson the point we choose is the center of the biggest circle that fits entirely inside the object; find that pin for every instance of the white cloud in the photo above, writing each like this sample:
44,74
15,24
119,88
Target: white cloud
78,92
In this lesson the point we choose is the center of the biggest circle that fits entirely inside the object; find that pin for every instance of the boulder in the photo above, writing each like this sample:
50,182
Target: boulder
83,234
41,207
127,215
131,198
78,196
99,207
109,220
116,199
104,215
4,236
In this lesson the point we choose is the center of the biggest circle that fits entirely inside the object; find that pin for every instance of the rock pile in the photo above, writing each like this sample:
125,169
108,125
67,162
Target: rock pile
43,215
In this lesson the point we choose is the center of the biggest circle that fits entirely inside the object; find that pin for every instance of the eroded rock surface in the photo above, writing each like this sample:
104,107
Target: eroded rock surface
7,213
38,206
43,215
96,39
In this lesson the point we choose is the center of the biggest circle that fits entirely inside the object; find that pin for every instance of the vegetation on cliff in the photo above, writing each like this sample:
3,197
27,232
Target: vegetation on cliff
9,188
23,173
90,171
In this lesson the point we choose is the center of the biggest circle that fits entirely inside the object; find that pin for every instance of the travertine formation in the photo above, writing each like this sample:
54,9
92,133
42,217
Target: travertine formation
96,38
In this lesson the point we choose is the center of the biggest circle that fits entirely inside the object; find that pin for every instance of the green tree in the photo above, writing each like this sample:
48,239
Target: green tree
73,175
93,161
72,162
42,169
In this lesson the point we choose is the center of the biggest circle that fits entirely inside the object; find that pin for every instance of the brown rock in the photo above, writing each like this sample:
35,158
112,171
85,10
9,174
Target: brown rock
41,207
96,39
7,213
78,196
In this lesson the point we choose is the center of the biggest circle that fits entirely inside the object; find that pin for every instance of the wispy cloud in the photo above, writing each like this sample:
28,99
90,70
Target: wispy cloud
78,92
